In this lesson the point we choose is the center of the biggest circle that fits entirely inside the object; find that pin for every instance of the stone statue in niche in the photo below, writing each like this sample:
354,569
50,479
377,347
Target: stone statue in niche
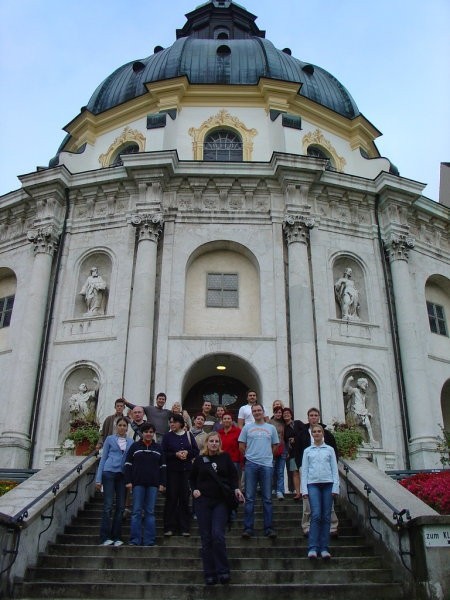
356,405
348,296
94,290
83,404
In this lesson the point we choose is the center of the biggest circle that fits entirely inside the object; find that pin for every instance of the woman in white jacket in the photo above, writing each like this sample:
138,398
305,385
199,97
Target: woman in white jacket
320,483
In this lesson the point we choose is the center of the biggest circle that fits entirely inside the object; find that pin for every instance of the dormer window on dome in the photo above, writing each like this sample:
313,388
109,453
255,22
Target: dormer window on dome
128,149
318,152
222,145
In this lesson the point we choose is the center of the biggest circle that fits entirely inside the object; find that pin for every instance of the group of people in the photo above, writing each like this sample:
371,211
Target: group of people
219,463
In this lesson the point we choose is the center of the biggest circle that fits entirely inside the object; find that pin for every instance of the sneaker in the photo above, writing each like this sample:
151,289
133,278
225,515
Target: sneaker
168,533
107,543
247,533
186,534
270,533
118,543
312,555
126,513
325,555
224,579
280,496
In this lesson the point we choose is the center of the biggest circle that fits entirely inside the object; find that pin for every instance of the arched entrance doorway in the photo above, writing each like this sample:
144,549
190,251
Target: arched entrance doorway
223,379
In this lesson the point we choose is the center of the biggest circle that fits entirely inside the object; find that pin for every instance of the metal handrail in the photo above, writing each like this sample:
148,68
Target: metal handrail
397,515
16,522
18,519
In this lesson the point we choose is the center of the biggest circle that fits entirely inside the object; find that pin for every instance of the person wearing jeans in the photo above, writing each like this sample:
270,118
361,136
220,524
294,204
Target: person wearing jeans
320,483
110,476
258,442
145,474
279,459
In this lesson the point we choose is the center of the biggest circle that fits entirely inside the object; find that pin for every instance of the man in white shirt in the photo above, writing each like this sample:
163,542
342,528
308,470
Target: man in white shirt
245,415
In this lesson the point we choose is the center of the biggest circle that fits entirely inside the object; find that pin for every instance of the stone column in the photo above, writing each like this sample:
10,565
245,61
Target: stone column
422,439
142,311
305,389
14,440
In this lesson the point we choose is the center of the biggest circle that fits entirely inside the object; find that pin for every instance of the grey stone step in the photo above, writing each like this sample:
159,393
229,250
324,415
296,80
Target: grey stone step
252,550
322,573
119,560
282,531
259,539
131,591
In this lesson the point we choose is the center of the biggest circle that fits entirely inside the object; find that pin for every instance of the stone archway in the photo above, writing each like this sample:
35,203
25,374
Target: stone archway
221,378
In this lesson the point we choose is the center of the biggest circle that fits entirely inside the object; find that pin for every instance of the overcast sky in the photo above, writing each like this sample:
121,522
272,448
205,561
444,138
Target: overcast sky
392,56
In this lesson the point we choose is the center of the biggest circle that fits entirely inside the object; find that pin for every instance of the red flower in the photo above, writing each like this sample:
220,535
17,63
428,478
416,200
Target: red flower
432,488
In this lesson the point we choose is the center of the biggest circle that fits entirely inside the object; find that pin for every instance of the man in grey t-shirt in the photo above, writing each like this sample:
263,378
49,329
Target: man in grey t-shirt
257,442
157,415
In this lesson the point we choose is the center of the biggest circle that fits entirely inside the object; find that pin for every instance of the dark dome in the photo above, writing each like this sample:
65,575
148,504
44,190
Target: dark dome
220,44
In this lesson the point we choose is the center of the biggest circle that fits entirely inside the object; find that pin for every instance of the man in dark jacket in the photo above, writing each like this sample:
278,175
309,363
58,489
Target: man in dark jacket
302,441
145,474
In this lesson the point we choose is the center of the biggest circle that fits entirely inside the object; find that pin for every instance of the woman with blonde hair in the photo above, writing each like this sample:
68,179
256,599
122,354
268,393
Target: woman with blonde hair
214,481
177,410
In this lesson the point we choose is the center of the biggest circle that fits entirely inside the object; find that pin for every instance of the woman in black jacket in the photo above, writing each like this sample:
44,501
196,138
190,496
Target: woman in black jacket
213,479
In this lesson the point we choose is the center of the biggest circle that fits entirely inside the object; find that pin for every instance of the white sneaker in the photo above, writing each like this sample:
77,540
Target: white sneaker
280,496
118,543
325,555
108,543
312,555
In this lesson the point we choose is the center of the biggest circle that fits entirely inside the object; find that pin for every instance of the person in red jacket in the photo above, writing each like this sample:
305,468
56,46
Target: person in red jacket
229,436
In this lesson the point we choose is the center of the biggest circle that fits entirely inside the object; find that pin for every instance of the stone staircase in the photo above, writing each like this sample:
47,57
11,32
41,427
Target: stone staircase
76,567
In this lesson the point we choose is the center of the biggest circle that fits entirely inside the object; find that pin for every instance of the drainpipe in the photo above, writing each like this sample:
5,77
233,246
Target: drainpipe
395,341
46,335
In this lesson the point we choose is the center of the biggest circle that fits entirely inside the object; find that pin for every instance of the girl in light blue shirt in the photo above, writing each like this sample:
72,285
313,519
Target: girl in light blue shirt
320,483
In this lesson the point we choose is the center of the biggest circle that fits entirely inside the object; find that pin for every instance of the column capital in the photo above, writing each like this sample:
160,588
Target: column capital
398,246
45,239
296,227
149,226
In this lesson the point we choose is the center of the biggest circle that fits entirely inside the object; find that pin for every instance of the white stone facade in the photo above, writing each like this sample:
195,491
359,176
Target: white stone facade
157,224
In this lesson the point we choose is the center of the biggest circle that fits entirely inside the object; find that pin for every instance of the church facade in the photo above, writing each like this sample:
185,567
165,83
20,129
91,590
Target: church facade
219,219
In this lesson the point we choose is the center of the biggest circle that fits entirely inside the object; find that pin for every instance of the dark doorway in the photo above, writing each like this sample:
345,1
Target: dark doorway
219,390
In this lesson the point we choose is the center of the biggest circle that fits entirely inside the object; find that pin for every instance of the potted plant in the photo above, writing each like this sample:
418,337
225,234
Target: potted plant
348,438
84,435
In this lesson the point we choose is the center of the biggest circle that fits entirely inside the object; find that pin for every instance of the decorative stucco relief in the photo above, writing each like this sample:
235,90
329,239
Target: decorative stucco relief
128,135
317,138
222,119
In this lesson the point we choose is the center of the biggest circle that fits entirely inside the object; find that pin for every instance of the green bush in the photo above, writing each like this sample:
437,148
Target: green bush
348,438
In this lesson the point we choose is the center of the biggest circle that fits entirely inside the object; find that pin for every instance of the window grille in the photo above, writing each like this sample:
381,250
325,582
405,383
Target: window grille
222,146
222,290
436,318
6,306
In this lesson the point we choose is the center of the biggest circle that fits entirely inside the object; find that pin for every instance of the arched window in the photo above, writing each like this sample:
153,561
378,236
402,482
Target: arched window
222,145
317,152
128,149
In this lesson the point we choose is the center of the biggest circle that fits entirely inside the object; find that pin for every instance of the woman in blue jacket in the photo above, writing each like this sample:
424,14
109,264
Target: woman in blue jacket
320,483
110,476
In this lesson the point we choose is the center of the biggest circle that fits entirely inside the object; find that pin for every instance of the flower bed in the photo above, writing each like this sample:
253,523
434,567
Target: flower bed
431,488
5,486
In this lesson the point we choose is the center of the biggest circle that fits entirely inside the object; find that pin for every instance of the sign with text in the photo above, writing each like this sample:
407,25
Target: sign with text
437,536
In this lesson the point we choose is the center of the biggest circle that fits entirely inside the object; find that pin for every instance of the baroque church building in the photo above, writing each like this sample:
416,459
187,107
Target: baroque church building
218,219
